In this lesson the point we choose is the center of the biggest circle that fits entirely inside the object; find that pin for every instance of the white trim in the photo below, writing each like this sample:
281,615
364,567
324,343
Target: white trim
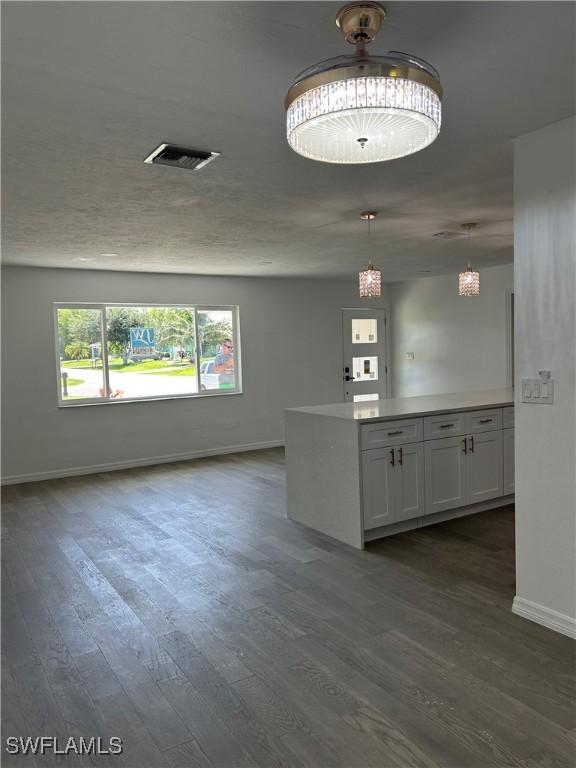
559,622
93,469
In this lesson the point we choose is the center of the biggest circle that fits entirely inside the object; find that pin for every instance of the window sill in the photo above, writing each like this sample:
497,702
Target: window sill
130,400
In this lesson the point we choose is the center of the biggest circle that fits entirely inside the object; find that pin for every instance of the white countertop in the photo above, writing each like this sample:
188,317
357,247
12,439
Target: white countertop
400,407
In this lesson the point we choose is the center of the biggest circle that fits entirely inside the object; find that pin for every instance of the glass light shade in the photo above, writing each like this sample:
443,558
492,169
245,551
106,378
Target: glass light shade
363,120
469,283
370,283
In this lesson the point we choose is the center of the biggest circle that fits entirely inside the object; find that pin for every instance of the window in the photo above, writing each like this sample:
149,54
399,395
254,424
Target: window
110,353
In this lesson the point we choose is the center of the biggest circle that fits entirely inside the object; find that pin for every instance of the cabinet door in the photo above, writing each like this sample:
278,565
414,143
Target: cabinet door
378,486
484,467
508,447
444,461
409,481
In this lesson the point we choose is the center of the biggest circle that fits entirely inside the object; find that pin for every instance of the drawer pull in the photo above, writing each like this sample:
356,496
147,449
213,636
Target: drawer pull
485,421
446,426
395,432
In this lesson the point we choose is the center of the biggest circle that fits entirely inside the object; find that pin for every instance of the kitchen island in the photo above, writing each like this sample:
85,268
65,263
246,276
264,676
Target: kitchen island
361,471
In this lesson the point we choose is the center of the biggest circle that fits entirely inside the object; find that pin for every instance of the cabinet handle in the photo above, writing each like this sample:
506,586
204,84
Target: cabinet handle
465,449
392,461
445,426
472,444
396,432
485,421
400,456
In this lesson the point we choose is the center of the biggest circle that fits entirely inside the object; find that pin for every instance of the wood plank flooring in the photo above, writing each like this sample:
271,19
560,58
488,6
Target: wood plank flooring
176,608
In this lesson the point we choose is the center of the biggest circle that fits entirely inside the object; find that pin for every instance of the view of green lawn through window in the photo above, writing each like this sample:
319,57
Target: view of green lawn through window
150,352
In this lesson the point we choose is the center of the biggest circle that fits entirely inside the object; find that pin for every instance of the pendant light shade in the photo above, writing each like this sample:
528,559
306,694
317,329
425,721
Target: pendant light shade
370,283
360,108
469,280
369,279
469,283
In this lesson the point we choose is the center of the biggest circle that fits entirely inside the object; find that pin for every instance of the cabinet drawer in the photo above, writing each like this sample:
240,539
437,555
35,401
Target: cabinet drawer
383,433
444,425
508,417
484,421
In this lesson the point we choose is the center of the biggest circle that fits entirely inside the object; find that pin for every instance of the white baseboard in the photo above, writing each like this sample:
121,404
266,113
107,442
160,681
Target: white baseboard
34,477
559,622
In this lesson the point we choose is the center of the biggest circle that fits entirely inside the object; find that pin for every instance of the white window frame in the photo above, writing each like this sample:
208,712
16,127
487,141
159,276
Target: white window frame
107,400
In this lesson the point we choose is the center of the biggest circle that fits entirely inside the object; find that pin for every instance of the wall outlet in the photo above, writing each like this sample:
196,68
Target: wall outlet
409,356
538,391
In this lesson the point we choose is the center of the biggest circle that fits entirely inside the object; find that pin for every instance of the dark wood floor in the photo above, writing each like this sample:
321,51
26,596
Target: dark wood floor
176,608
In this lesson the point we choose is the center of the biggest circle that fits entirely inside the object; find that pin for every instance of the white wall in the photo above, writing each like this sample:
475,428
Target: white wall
545,287
459,344
291,355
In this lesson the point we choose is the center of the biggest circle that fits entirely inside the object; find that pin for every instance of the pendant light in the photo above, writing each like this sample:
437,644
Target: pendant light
369,279
469,280
360,108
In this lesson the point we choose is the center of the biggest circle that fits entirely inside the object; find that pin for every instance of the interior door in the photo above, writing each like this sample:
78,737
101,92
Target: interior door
365,372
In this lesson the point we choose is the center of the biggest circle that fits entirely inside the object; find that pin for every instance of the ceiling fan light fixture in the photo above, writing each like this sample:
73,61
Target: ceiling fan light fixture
363,109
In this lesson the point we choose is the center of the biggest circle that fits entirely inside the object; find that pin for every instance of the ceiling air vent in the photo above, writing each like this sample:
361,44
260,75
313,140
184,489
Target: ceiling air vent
179,157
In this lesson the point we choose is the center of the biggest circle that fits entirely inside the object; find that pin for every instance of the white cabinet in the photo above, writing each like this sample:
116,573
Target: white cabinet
484,467
392,484
444,425
470,461
387,433
463,470
409,480
445,473
508,449
378,487
508,417
483,421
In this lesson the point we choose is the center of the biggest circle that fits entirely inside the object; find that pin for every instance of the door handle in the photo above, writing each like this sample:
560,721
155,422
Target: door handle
348,378
392,461
400,457
465,449
472,444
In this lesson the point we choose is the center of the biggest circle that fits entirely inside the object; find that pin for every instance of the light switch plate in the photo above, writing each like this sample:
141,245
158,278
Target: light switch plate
538,391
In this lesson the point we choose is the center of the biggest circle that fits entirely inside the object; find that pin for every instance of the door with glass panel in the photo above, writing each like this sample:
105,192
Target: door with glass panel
364,369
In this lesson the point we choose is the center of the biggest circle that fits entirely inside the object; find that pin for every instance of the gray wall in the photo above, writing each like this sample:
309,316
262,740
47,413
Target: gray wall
545,287
291,354
459,344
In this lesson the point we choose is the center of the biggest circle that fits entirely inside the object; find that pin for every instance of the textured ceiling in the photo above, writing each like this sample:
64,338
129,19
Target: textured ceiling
91,88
